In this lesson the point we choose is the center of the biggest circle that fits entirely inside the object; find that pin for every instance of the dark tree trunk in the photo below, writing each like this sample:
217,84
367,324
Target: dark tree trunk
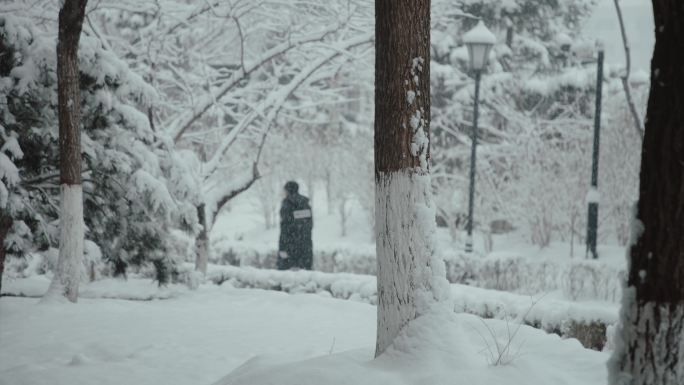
652,324
407,272
69,265
202,241
69,99
402,36
5,226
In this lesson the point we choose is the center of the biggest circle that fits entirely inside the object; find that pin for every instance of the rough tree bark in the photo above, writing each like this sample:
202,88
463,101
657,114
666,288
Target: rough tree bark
650,339
409,280
68,274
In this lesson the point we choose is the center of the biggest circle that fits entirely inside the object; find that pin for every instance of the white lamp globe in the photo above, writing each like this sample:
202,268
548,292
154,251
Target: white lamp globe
479,41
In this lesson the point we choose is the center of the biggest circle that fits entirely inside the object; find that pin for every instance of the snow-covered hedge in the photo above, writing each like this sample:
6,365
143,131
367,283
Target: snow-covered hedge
587,322
359,259
577,279
357,287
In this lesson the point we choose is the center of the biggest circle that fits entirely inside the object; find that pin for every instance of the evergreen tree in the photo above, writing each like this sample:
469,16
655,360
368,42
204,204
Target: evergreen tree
135,190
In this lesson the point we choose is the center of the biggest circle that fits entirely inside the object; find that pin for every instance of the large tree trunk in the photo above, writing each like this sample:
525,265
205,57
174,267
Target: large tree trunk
409,278
69,265
650,339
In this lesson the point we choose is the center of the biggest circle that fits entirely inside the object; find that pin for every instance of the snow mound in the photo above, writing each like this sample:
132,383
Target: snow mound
440,348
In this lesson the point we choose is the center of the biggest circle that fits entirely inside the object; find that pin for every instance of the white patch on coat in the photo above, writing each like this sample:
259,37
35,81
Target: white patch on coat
302,214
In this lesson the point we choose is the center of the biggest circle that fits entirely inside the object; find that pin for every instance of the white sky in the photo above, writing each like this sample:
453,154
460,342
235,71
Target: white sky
638,18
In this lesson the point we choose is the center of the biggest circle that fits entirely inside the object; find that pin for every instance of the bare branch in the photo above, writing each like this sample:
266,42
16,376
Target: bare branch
242,43
276,100
625,77
233,193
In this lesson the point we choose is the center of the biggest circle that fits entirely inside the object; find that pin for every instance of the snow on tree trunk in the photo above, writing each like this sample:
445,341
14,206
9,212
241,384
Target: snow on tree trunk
649,347
68,274
410,278
202,241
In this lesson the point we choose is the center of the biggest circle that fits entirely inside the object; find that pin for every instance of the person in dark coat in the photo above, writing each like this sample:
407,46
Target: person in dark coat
295,248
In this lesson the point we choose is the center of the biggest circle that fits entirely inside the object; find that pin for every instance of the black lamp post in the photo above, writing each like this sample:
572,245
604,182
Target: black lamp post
593,194
479,41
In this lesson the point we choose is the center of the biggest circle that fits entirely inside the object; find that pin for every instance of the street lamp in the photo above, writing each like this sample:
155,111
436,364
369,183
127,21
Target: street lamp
479,41
593,194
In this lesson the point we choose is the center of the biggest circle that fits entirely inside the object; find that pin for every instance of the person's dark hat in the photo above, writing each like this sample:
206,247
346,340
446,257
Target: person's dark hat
292,187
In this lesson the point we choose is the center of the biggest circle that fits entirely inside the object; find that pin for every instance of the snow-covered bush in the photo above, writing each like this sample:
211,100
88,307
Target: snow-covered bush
131,201
576,279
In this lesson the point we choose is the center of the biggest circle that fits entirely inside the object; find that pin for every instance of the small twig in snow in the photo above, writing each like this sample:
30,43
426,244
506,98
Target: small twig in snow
332,347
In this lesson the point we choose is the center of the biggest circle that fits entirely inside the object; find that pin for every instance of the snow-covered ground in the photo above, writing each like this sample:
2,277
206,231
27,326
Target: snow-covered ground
198,337
195,338
440,349
175,335
134,332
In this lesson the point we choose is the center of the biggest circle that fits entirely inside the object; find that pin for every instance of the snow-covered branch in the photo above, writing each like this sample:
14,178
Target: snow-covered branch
180,124
272,105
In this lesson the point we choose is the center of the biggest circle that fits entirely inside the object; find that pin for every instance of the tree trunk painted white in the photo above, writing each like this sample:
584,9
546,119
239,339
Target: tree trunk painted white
650,344
69,266
71,234
410,277
411,280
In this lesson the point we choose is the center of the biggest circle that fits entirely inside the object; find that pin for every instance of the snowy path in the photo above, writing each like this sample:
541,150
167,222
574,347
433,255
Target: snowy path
193,339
